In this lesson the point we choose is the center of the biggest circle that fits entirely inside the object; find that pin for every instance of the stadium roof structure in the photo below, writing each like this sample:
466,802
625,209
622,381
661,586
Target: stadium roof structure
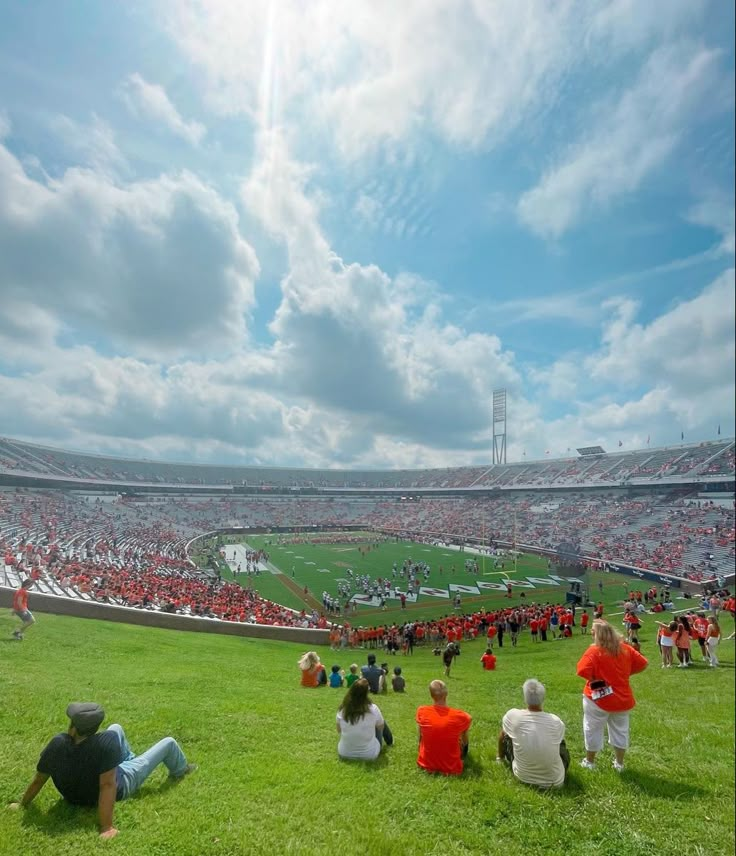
586,451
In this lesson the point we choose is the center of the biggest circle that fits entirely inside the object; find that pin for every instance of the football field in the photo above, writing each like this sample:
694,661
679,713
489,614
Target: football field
302,569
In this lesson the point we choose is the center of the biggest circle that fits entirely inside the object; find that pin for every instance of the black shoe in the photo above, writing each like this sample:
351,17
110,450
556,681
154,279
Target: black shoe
190,768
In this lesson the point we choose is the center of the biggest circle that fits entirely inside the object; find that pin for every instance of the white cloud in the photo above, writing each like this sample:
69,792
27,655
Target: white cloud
150,100
715,210
355,341
560,380
629,140
376,74
157,266
94,143
368,209
689,348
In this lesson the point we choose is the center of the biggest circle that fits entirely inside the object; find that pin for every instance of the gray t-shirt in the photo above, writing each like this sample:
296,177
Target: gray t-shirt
536,737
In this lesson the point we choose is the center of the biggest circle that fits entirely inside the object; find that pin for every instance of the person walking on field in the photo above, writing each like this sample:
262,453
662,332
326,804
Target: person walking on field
607,666
20,608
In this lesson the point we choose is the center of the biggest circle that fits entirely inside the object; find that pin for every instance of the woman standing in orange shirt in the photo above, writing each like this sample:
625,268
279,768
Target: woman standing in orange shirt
607,666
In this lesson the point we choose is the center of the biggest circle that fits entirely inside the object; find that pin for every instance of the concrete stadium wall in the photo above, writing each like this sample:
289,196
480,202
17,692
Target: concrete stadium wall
145,618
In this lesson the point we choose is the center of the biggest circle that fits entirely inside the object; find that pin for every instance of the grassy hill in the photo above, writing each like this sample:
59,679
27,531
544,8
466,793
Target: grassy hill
270,781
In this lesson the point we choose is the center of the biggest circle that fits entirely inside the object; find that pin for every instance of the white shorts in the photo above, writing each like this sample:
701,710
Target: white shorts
666,642
593,721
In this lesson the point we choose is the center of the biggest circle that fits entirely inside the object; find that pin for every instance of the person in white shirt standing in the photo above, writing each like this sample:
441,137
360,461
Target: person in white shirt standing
533,741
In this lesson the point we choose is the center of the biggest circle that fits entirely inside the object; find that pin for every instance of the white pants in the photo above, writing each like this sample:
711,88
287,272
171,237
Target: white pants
712,643
593,721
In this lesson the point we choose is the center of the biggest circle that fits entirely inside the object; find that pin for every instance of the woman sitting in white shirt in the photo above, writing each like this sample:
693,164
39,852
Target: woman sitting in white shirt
359,724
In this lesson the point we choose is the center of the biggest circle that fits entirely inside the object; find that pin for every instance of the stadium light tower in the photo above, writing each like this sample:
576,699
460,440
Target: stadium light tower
499,426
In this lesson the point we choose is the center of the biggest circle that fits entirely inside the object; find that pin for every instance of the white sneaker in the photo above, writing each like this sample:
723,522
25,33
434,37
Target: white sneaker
619,768
587,765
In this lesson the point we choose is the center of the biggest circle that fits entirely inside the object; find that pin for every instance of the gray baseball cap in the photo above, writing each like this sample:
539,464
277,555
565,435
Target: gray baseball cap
86,716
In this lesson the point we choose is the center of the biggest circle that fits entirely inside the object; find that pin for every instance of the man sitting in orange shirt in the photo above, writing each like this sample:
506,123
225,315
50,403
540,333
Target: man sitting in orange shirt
443,733
488,660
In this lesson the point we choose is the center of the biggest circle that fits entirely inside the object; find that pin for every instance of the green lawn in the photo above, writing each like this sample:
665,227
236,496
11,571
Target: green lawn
270,782
319,566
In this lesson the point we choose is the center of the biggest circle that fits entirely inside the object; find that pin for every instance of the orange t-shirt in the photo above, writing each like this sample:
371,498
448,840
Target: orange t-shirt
440,728
489,661
20,600
310,677
598,664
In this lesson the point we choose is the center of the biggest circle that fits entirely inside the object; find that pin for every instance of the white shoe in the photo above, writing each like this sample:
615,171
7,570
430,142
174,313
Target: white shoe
619,768
587,765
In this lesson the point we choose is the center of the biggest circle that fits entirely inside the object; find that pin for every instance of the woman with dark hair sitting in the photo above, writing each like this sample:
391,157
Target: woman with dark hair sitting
360,725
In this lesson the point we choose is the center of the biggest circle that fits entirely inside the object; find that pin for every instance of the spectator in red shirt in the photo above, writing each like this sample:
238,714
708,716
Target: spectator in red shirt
488,660
584,620
20,608
443,733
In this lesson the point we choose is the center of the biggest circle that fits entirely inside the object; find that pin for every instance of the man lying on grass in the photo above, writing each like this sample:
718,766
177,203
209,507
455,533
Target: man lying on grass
97,769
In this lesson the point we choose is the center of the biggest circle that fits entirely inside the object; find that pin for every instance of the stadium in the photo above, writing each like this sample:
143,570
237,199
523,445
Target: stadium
367,429
293,559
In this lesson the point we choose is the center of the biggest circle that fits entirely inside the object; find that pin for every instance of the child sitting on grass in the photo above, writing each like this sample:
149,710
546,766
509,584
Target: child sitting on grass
353,676
397,682
336,678
384,666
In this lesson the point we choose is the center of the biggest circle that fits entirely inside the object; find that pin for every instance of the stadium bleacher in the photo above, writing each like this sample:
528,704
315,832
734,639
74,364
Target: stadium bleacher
133,552
706,461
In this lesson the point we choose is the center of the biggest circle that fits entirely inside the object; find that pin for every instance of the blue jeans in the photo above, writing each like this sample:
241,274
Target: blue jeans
384,735
133,770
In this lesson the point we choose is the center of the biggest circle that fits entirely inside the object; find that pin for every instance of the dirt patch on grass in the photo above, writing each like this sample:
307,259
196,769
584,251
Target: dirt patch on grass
294,587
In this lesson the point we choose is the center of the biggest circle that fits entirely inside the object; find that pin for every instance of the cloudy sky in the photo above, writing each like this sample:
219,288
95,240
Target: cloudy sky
270,231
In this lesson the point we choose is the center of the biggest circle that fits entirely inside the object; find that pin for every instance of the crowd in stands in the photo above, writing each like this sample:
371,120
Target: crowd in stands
712,458
133,551
121,553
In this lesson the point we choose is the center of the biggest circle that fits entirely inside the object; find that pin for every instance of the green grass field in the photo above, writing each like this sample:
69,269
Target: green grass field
320,566
270,781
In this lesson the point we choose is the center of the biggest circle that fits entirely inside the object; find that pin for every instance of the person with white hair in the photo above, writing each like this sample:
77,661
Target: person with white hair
533,741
